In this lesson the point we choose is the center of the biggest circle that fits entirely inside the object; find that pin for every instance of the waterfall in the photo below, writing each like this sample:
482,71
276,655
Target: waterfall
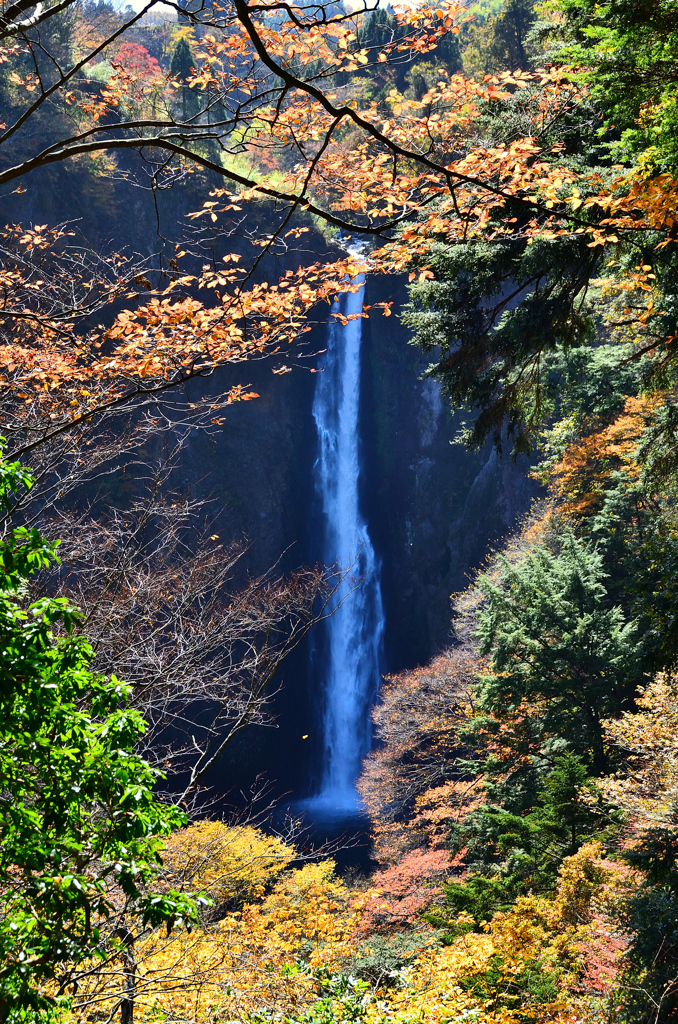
352,648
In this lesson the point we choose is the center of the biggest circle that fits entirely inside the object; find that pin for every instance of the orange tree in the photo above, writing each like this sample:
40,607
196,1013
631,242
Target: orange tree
270,80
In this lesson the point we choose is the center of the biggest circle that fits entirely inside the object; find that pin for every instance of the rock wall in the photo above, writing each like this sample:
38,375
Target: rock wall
433,509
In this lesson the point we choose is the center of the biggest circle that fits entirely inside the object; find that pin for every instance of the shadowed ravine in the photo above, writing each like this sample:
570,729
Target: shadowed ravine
387,496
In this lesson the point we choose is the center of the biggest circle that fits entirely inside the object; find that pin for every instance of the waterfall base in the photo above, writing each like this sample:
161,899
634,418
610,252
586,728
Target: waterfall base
332,805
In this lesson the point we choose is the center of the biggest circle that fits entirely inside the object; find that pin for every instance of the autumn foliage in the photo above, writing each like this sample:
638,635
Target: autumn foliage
371,167
521,794
418,721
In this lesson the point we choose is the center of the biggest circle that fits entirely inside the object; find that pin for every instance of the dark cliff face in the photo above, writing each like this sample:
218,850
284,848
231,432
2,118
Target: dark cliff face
433,510
436,508
255,471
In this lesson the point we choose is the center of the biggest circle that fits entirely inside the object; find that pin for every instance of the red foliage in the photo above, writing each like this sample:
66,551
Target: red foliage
402,892
137,60
138,67
602,954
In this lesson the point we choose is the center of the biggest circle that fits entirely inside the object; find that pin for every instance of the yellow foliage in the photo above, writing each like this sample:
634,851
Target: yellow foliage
571,942
580,879
580,477
649,792
249,961
479,975
245,962
227,863
177,32
307,908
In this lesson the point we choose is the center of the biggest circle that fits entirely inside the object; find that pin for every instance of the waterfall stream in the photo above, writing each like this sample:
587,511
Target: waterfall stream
352,648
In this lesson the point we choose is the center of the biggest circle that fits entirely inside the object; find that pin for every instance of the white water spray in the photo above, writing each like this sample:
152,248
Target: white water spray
354,633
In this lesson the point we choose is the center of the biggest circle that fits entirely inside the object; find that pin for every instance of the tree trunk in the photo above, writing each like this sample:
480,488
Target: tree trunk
129,977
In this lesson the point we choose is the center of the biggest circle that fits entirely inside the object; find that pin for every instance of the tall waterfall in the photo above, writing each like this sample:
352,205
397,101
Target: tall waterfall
352,649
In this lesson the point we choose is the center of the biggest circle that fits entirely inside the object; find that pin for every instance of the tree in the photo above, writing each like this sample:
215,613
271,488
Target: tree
645,793
419,722
564,816
166,604
512,849
266,958
80,828
490,315
554,640
628,52
492,307
403,891
182,61
142,70
270,82
498,40
230,865
181,67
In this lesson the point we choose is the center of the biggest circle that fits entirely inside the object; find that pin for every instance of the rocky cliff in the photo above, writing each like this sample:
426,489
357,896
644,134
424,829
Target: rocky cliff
433,510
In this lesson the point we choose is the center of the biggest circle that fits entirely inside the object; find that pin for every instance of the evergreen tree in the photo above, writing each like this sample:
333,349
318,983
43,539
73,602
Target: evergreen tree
630,51
499,40
181,66
554,638
513,850
182,61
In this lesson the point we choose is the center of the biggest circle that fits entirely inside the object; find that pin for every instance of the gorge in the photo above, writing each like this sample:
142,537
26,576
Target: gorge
418,511
424,512
339,491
